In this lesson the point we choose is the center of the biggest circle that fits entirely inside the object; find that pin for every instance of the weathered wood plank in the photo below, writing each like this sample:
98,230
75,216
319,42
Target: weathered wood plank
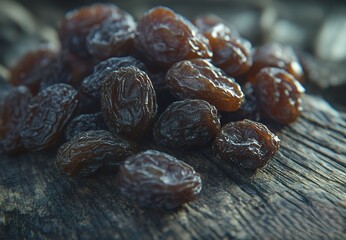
300,195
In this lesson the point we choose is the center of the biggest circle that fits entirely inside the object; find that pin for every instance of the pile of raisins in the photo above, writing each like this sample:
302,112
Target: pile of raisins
116,84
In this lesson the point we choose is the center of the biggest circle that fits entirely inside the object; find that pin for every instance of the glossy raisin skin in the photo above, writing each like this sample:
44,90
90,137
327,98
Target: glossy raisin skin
28,70
88,151
128,102
206,22
13,107
198,78
77,24
46,116
114,37
84,123
186,124
246,143
166,38
156,179
275,55
91,85
279,95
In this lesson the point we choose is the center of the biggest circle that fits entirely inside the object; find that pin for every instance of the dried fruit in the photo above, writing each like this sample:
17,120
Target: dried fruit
88,151
76,26
275,55
246,144
156,179
84,123
128,102
114,37
28,70
165,37
13,107
46,116
279,95
198,78
205,23
186,124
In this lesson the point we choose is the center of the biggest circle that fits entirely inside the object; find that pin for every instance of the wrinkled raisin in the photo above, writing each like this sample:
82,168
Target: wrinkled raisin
128,102
13,107
76,26
28,70
114,37
198,78
275,55
186,124
84,123
246,144
156,179
88,151
279,95
204,23
166,38
46,116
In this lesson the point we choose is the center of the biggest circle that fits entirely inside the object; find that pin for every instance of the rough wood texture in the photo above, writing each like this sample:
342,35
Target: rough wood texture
300,195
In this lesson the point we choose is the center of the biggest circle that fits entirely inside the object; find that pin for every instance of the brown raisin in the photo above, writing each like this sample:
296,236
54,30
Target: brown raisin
198,78
28,70
186,124
156,179
246,144
204,23
84,123
128,102
13,107
275,55
46,116
165,37
77,24
114,37
88,151
279,95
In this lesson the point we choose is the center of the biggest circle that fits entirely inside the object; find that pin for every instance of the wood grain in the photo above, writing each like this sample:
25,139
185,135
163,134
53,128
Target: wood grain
301,194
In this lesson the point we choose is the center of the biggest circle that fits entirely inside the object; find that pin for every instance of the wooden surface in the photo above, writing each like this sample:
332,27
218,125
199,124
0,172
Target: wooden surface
301,194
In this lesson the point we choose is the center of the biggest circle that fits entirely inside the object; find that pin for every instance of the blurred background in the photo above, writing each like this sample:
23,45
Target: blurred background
315,28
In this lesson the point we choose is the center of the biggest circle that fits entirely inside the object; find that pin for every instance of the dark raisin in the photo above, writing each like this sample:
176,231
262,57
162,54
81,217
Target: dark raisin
114,37
198,78
128,102
246,144
248,109
166,38
46,116
84,123
186,124
76,26
156,179
275,55
13,107
88,151
279,95
204,23
28,70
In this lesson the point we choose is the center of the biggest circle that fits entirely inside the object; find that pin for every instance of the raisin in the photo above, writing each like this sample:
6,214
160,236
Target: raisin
156,179
13,107
91,85
128,102
186,124
275,55
165,37
76,26
204,23
114,37
198,78
46,116
28,70
279,95
247,144
88,151
84,123
248,109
